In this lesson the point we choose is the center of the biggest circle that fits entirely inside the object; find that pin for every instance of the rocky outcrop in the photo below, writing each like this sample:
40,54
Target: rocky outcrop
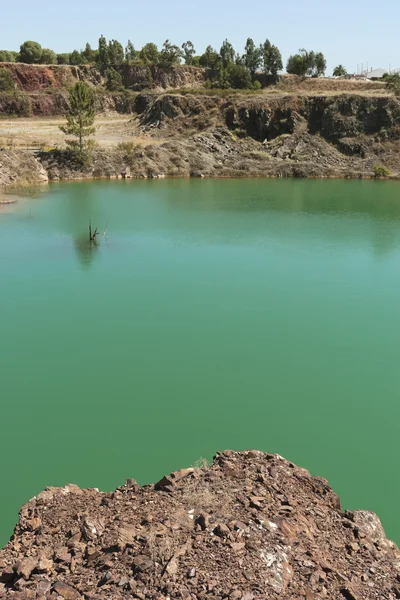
39,78
264,118
139,77
252,526
20,168
183,134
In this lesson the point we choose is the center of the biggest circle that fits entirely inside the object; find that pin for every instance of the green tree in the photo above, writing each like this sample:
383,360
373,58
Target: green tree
7,83
149,53
227,54
188,52
239,59
239,77
319,65
88,54
306,63
130,52
115,52
49,57
80,119
102,55
75,58
272,58
210,59
252,57
297,65
30,52
170,55
339,71
7,56
63,59
113,80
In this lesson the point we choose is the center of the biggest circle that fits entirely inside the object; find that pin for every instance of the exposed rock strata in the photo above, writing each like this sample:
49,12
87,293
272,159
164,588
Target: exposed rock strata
289,136
252,526
39,78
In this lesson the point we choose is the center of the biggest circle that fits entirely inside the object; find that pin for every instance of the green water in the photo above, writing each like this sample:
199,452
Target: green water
213,314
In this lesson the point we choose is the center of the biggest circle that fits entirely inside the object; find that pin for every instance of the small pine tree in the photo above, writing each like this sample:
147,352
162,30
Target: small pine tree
113,80
80,119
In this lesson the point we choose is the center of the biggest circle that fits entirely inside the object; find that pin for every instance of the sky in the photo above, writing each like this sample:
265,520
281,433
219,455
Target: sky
348,32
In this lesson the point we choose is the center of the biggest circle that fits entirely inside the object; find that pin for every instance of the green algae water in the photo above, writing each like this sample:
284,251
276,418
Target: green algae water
210,315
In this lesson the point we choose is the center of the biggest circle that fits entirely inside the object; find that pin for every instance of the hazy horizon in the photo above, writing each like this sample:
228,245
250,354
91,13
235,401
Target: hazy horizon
347,33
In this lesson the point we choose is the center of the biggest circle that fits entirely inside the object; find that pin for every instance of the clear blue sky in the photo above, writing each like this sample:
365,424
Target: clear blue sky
347,31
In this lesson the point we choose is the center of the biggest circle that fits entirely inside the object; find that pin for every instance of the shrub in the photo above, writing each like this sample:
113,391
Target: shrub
257,85
380,170
127,147
239,77
7,83
7,56
48,57
63,59
30,52
113,80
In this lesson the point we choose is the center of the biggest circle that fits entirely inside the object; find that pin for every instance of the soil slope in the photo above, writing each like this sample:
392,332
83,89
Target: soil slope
252,526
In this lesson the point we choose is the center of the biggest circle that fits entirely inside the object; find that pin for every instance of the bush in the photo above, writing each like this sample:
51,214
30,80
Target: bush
393,83
381,171
75,58
239,77
7,56
257,85
7,83
113,81
48,57
30,52
63,59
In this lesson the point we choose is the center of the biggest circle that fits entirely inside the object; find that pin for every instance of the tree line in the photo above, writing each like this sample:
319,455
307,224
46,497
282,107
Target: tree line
226,67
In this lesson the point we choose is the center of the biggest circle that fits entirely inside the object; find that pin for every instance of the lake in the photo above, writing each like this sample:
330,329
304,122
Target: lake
211,314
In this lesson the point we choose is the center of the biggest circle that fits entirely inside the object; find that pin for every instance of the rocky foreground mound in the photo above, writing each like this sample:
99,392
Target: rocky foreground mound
251,526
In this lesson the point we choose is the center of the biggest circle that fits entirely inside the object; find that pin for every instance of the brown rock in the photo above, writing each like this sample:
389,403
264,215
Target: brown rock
166,483
203,521
25,567
62,555
142,563
44,565
221,530
66,591
172,567
126,534
7,575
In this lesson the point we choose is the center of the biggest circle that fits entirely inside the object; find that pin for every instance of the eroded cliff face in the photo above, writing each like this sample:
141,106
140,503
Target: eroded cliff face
186,134
253,526
38,78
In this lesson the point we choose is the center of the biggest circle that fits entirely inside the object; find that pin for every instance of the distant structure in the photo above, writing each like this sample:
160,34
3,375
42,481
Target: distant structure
371,74
376,73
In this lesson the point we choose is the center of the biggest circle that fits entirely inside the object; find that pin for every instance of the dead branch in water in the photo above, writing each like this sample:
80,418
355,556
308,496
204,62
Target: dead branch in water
92,234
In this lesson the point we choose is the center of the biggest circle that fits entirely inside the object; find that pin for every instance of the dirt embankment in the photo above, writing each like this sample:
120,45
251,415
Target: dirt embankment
39,78
253,526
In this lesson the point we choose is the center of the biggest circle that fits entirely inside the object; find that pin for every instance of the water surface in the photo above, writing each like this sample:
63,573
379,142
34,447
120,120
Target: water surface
213,314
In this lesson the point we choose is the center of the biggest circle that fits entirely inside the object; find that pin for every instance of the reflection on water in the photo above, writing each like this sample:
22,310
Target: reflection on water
86,251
